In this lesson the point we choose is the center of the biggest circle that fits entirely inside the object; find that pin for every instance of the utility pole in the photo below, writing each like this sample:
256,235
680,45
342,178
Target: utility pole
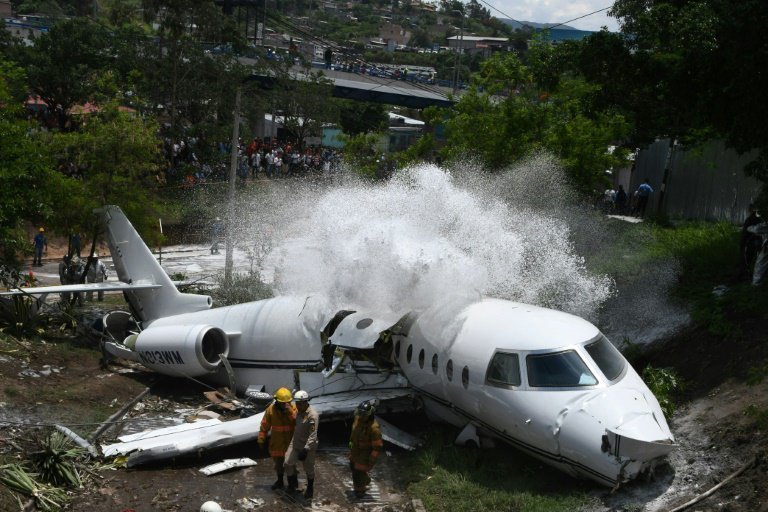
230,224
459,51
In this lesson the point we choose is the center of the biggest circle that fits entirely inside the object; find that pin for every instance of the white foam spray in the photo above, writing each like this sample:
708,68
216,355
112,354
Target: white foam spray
429,235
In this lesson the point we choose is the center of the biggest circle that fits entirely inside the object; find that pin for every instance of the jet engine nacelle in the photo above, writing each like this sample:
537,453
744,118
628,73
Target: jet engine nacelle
182,349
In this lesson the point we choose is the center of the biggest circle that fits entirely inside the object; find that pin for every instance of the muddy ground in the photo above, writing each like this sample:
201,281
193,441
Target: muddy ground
61,381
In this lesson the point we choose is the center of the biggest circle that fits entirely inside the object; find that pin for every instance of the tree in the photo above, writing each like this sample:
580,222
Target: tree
506,115
64,63
357,118
116,154
26,170
700,68
305,104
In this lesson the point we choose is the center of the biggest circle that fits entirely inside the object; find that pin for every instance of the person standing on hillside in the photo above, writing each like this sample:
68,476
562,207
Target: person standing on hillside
760,272
41,245
97,273
749,244
621,200
643,193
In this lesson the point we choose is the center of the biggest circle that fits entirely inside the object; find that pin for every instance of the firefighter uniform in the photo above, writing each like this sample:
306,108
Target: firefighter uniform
303,448
280,419
365,445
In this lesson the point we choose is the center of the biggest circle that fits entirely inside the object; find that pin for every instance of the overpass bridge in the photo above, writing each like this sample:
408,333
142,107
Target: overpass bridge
353,86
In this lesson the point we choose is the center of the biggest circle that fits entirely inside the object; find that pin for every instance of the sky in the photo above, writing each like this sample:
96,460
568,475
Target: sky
554,11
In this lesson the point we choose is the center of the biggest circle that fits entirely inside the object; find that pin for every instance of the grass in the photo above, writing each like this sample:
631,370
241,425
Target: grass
447,477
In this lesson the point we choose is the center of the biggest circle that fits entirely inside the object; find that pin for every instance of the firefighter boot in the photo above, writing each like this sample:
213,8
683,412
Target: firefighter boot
279,483
293,483
309,492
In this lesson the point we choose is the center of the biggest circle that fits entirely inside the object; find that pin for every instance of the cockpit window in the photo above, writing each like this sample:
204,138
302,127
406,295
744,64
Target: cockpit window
607,358
504,370
562,370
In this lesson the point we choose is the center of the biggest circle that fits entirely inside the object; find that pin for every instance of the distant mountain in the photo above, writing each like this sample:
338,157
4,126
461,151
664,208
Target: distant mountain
519,24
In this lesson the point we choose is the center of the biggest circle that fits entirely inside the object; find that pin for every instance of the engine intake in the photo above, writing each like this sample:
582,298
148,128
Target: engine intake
182,349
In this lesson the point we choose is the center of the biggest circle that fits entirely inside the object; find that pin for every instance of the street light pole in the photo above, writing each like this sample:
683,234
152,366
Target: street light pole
459,50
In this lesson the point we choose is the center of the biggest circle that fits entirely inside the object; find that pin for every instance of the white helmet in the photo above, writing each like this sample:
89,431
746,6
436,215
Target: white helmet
301,396
210,506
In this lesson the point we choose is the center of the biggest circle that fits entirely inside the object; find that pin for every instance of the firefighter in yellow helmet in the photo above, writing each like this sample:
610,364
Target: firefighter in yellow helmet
365,445
280,419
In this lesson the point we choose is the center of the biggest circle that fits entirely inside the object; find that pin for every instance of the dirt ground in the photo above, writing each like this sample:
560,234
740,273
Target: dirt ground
61,381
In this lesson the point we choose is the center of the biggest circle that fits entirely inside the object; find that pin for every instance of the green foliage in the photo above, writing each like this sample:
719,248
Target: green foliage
54,459
758,415
663,383
360,152
117,156
447,477
507,115
20,316
357,118
47,498
28,183
241,288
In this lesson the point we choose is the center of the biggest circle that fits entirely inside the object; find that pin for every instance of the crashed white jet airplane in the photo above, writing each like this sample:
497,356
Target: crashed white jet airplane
544,381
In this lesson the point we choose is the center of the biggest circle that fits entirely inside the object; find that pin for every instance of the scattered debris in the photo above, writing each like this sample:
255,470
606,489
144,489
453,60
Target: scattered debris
119,414
227,464
250,503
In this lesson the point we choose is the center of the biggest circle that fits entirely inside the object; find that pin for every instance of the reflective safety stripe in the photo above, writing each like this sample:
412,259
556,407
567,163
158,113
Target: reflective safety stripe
282,428
361,467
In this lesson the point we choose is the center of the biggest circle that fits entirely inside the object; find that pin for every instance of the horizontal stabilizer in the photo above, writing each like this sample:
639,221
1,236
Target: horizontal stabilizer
85,287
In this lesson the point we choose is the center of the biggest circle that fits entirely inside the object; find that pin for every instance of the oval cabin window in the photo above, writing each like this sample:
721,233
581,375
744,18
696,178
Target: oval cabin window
465,377
434,364
421,358
449,370
409,353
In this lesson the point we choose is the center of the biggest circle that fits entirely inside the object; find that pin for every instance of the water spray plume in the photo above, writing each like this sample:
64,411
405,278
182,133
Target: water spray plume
429,235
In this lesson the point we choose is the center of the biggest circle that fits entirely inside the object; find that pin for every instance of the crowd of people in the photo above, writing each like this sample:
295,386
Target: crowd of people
271,158
618,202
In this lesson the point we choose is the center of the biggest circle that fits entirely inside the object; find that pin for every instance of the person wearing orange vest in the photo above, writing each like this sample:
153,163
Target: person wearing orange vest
365,445
280,419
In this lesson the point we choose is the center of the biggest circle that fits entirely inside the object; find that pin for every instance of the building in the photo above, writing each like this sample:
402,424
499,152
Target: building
393,32
478,44
5,9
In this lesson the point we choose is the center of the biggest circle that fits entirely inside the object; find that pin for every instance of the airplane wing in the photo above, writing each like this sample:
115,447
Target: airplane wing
85,287
169,442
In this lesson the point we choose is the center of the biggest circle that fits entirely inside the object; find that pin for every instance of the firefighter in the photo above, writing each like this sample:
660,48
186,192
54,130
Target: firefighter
303,445
280,418
365,445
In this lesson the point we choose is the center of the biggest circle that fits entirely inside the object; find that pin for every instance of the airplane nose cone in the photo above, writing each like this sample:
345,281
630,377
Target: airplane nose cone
602,428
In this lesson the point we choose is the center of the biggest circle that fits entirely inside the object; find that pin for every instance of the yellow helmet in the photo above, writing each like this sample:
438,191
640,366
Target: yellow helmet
283,395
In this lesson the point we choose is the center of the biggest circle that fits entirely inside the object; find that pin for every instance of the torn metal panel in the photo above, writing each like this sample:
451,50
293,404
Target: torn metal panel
398,437
184,439
360,330
227,464
344,404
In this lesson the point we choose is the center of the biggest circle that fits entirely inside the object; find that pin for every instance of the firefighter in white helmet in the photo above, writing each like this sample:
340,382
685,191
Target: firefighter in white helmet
303,445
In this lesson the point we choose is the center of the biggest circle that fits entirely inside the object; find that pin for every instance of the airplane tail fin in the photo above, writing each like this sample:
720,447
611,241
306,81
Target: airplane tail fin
135,264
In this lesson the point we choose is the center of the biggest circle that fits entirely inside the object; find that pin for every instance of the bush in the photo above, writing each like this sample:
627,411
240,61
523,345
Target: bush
663,383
